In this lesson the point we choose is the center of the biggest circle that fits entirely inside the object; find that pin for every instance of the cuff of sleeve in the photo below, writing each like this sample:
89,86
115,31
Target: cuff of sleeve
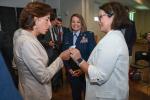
61,62
92,74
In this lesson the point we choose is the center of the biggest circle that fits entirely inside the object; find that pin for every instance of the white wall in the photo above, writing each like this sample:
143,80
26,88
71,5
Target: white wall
21,3
92,9
15,3
68,7
142,21
54,4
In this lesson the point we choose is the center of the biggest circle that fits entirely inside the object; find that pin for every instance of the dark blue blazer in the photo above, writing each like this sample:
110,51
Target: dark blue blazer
85,44
8,90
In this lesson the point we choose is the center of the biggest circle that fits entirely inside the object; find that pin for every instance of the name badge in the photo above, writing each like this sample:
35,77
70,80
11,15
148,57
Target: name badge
84,40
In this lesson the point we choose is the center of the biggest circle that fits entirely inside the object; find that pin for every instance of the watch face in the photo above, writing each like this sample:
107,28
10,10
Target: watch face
79,60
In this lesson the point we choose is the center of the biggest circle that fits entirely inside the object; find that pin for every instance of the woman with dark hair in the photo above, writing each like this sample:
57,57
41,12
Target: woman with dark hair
30,56
83,40
107,67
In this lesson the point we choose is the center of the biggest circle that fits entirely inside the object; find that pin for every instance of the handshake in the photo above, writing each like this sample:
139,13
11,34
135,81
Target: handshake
71,53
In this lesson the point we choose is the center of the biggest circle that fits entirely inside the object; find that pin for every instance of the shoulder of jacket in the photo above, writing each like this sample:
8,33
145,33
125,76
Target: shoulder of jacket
89,33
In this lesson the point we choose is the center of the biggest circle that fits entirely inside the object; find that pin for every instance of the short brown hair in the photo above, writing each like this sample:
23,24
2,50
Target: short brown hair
33,9
121,19
83,24
59,19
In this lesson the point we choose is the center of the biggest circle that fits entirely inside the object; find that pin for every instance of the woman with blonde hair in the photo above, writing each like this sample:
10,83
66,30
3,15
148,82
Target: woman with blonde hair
83,40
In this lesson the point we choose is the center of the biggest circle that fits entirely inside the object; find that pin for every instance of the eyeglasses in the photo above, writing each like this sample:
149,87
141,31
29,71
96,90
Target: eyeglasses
100,17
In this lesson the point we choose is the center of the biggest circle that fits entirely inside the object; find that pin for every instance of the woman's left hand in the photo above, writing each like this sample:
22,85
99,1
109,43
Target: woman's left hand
65,55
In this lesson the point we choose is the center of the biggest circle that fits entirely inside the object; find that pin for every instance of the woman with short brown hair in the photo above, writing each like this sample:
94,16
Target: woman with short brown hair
30,56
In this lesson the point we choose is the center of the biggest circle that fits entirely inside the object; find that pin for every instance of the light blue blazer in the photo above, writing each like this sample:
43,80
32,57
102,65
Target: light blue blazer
107,77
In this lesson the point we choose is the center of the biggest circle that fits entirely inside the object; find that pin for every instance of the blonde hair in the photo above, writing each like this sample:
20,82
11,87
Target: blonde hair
83,24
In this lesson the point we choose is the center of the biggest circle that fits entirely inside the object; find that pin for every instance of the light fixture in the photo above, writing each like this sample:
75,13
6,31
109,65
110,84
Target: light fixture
142,7
96,19
139,1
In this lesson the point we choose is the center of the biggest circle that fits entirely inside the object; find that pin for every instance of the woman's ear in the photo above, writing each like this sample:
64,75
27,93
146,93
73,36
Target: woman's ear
35,23
35,20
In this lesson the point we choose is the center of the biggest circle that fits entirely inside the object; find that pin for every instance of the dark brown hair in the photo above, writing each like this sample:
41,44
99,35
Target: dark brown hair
121,19
33,9
83,24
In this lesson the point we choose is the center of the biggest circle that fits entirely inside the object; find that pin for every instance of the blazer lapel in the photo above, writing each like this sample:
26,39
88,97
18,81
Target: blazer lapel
71,38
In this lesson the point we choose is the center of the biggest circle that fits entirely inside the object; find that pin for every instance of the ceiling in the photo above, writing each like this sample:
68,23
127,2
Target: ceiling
135,4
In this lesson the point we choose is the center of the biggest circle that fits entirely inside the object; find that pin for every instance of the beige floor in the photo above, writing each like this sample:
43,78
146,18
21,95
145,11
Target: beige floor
138,91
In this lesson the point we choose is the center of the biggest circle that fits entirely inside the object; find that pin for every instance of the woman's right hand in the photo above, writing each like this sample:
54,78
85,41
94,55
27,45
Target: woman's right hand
65,55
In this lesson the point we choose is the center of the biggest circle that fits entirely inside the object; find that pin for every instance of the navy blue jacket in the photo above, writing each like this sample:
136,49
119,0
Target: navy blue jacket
130,36
85,44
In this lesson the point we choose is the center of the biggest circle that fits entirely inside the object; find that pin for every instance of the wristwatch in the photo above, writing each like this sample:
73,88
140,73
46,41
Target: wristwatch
79,61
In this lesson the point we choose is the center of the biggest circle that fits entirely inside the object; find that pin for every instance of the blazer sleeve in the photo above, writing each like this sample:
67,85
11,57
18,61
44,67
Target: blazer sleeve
34,60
